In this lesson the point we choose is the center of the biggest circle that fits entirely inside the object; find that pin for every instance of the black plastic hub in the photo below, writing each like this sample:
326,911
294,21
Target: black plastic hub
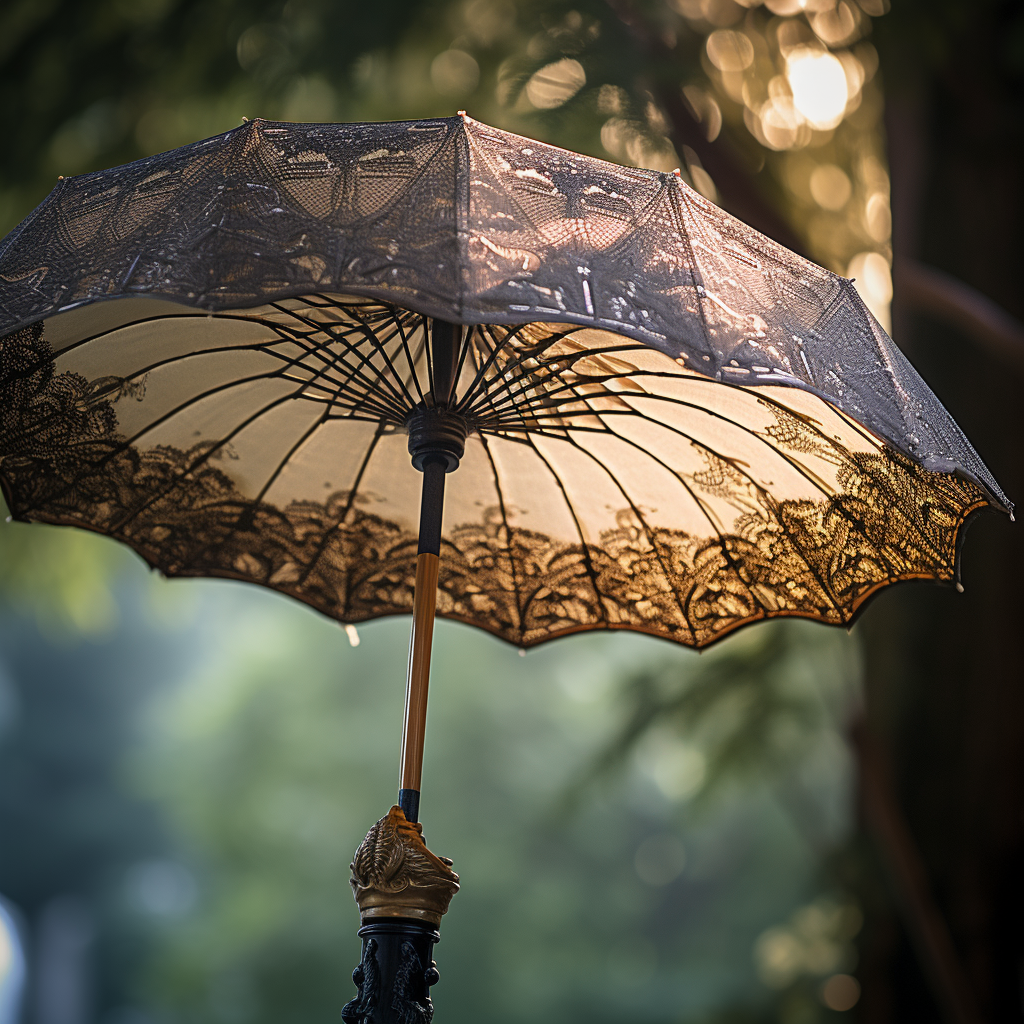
435,431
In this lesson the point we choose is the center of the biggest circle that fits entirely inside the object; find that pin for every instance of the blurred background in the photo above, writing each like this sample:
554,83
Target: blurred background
800,825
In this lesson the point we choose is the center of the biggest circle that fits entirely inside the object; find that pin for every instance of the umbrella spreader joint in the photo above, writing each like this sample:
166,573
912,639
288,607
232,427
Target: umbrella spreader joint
436,433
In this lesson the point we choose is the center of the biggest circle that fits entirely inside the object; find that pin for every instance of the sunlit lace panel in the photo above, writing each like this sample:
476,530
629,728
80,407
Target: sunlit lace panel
604,486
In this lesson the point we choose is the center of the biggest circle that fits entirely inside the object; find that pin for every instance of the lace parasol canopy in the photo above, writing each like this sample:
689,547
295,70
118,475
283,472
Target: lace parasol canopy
671,423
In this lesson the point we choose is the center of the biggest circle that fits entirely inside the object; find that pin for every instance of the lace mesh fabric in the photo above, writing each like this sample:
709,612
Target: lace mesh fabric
604,485
454,219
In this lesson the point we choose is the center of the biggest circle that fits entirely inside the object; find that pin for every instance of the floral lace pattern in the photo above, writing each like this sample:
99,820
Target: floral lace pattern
62,460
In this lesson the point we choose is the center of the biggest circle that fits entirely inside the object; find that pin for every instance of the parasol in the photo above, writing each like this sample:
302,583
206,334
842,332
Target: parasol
661,420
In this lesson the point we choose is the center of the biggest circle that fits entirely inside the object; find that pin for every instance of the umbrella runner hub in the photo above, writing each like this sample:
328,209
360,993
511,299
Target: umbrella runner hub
436,432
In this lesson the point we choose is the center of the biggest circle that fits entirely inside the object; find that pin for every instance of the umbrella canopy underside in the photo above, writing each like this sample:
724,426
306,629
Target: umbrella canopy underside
604,484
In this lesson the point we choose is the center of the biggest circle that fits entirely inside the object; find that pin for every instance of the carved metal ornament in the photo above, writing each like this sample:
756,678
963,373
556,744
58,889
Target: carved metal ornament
394,985
395,875
367,979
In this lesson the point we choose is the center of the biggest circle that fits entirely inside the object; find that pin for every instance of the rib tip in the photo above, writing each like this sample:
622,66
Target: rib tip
352,633
677,172
463,115
522,652
959,587
245,120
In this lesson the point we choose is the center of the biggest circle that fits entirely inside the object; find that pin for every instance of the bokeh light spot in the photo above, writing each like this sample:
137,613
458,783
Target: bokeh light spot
840,992
830,186
454,73
878,217
556,83
837,25
818,82
730,51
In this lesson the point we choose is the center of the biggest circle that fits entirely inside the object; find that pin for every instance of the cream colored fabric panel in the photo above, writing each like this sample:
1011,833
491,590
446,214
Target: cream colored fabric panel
604,485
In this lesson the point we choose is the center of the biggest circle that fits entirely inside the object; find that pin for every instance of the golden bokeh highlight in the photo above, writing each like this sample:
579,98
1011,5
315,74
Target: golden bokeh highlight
798,80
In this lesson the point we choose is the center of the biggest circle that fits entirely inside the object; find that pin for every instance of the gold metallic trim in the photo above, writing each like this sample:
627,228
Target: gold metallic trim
395,875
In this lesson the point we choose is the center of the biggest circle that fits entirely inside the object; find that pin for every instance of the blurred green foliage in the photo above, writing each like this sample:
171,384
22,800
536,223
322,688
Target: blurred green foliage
62,578
220,812
643,834
641,904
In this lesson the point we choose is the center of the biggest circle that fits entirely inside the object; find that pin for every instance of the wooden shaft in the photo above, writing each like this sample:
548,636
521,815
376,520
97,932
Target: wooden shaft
424,605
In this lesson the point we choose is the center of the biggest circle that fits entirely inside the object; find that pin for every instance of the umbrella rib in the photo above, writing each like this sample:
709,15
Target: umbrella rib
464,405
220,349
371,336
196,463
464,353
553,369
152,319
508,535
368,334
726,553
279,373
548,370
576,399
349,502
317,424
332,360
510,371
693,494
585,548
826,588
176,411
282,332
357,329
647,529
125,445
413,377
536,350
811,478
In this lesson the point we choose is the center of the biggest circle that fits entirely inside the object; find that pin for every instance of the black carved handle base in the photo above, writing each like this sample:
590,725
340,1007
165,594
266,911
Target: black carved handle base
395,974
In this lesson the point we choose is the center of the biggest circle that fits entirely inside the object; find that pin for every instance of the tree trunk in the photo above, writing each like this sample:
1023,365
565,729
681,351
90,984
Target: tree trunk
944,682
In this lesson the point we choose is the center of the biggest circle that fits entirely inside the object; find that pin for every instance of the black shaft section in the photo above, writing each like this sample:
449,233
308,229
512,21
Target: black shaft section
409,801
445,345
395,974
432,505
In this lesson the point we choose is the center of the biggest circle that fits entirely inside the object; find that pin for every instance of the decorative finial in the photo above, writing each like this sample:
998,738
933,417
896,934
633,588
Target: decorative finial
395,875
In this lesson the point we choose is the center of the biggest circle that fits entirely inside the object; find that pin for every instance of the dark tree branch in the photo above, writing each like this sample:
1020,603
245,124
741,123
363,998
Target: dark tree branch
938,294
